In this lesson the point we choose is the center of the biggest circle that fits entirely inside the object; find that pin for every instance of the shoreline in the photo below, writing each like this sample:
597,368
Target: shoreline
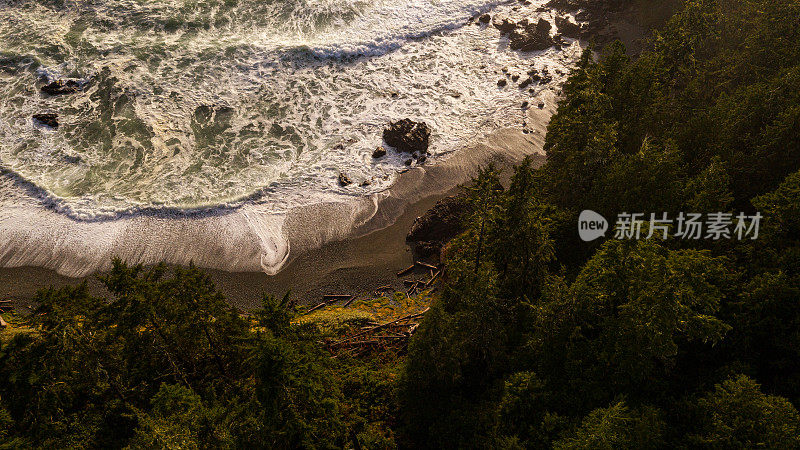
246,251
355,257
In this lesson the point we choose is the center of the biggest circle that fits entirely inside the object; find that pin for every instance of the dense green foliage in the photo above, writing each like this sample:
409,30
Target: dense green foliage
537,339
164,362
542,340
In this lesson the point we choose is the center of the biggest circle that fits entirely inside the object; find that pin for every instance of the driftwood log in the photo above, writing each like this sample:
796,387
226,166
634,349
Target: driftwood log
426,265
405,271
321,305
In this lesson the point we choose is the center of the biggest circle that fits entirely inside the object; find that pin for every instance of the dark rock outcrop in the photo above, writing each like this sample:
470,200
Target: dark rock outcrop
62,86
528,36
594,19
505,25
344,180
408,136
431,231
49,119
568,28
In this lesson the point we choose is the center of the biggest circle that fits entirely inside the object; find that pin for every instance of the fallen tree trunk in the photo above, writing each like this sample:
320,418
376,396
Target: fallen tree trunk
316,307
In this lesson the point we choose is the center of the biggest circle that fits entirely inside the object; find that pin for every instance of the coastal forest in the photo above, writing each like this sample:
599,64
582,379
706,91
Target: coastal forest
534,338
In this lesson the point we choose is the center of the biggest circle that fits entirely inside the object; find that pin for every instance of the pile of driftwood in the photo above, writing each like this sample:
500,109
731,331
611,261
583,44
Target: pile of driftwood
392,335
415,285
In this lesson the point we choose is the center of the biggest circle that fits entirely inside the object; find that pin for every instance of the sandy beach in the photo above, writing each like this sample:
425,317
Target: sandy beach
353,259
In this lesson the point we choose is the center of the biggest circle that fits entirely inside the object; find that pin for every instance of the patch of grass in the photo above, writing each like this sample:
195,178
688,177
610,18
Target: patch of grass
16,325
333,319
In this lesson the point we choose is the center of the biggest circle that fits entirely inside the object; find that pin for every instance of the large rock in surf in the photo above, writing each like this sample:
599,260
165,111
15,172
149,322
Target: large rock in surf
49,119
530,37
62,86
408,136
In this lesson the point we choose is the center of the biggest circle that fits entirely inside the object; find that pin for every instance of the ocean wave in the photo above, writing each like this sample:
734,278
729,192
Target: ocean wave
242,128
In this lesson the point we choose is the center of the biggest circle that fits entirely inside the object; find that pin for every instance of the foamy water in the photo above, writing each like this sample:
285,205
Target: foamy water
254,106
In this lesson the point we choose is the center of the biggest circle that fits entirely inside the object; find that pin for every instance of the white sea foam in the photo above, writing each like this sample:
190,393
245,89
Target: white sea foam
212,123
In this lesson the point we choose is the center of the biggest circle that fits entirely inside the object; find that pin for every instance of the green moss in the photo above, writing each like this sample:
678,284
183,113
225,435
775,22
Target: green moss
337,319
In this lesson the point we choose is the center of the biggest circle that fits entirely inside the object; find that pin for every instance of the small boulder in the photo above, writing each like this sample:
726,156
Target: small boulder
502,83
49,119
72,159
541,105
62,86
344,180
408,136
484,19
379,152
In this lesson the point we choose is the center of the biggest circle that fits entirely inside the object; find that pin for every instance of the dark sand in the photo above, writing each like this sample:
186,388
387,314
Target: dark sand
348,267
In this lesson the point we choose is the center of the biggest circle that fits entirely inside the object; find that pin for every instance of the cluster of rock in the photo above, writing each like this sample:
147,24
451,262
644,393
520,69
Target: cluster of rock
406,137
60,86
595,17
593,22
534,76
527,36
